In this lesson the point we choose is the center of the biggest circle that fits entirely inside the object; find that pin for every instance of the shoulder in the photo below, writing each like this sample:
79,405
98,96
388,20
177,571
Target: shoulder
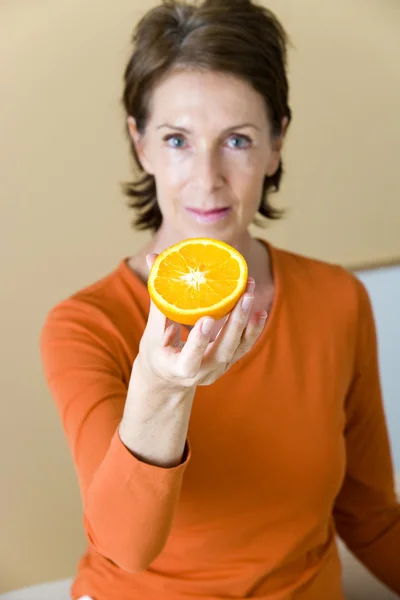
322,286
94,300
101,311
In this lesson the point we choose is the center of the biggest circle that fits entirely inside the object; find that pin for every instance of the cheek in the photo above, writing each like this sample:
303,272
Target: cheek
247,180
246,173
175,168
249,164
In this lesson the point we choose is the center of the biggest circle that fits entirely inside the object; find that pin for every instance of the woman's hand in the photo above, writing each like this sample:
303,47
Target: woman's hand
198,361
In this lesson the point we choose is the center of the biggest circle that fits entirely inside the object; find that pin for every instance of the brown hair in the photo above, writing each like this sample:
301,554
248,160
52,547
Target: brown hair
236,37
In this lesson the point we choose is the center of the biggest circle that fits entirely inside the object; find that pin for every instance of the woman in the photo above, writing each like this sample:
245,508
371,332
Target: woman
224,466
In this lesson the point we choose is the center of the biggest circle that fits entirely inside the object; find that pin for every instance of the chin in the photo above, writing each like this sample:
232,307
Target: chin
229,236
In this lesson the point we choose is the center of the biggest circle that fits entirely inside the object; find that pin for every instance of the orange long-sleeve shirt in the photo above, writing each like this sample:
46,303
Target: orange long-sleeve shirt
289,447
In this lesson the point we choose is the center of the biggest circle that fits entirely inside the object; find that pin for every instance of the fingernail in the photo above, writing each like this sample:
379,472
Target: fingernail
262,318
247,303
207,325
251,284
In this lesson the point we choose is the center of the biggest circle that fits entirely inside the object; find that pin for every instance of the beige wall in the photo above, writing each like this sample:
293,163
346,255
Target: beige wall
64,222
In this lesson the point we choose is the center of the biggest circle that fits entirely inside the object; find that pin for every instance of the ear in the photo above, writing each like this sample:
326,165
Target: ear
139,144
275,158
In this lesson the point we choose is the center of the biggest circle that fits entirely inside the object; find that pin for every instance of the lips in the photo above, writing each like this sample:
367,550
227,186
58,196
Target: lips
207,217
213,211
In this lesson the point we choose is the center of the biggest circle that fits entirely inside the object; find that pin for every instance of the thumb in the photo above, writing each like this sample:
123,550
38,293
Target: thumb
150,258
156,321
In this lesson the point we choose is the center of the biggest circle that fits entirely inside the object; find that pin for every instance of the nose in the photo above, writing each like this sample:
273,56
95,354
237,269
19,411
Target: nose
208,169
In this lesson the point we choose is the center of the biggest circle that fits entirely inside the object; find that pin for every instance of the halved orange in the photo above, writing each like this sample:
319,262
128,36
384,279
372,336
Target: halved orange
197,277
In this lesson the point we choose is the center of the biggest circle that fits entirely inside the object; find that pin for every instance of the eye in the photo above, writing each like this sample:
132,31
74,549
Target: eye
244,142
176,138
176,141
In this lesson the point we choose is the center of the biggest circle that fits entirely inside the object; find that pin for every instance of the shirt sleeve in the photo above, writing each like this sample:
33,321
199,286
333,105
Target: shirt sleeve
367,512
128,505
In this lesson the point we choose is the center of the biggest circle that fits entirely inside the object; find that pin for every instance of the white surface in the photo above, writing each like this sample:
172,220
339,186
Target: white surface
358,583
56,590
383,286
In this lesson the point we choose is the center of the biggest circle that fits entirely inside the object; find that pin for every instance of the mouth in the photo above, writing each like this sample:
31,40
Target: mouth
209,216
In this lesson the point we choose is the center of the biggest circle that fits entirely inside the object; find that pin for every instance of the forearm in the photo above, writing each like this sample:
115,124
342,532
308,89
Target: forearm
156,419
380,550
131,502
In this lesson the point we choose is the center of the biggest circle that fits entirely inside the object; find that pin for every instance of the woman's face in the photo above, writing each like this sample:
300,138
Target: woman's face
208,144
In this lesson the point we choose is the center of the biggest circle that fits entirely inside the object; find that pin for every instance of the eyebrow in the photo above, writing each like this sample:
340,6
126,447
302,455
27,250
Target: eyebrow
241,126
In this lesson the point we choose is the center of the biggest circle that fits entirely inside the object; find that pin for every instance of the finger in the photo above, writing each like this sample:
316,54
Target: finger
251,286
192,353
230,337
169,335
157,322
250,335
172,334
150,258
